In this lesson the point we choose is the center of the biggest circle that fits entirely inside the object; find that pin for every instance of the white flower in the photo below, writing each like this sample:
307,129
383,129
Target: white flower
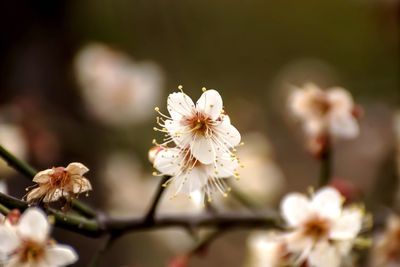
266,249
203,128
322,232
330,112
27,244
190,175
117,90
52,184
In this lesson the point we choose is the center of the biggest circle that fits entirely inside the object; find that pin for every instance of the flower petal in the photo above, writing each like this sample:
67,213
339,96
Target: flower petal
81,185
9,240
202,149
224,166
35,193
348,225
227,135
168,161
43,177
54,195
324,255
61,255
340,99
76,168
295,208
344,125
210,103
327,202
33,224
180,133
180,105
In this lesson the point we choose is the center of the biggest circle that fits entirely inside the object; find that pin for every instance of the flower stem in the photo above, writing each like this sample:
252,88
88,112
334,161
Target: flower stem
4,210
326,167
156,199
29,172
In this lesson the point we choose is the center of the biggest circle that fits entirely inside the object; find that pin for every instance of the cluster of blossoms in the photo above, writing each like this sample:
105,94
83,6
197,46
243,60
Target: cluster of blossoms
325,114
53,184
204,144
321,232
25,242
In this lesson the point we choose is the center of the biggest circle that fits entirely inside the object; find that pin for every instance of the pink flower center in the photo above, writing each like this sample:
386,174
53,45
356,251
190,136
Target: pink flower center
316,228
31,251
200,124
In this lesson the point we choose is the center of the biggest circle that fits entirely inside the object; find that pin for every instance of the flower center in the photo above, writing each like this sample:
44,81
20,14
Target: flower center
321,105
199,124
60,177
316,228
31,251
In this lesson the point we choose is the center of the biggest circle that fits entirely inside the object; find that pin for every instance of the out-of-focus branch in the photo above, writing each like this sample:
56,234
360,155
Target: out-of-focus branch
29,172
326,166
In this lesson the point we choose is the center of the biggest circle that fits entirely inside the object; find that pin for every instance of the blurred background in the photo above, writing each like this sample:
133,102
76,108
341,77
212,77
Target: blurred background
79,81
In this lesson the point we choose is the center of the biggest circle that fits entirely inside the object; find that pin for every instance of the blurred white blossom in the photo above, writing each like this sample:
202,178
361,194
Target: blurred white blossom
27,243
57,182
321,232
117,90
329,112
265,249
12,138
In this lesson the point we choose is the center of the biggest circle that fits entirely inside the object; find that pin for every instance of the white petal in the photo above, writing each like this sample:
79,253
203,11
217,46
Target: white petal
9,240
299,244
81,185
228,136
180,105
169,161
327,202
54,195
33,224
191,181
344,125
224,166
340,99
295,208
210,103
348,225
43,176
35,193
202,149
61,255
180,133
76,168
324,255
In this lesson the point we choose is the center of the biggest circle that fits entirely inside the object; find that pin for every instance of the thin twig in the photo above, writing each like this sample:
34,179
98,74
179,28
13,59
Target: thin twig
156,199
29,172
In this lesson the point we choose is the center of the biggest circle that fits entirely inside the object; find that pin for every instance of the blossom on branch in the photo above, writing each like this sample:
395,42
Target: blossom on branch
325,113
27,244
321,231
204,140
52,184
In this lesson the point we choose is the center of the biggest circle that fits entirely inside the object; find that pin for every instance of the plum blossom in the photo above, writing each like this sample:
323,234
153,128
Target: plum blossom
266,249
329,112
57,182
203,127
117,90
27,243
188,174
321,231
